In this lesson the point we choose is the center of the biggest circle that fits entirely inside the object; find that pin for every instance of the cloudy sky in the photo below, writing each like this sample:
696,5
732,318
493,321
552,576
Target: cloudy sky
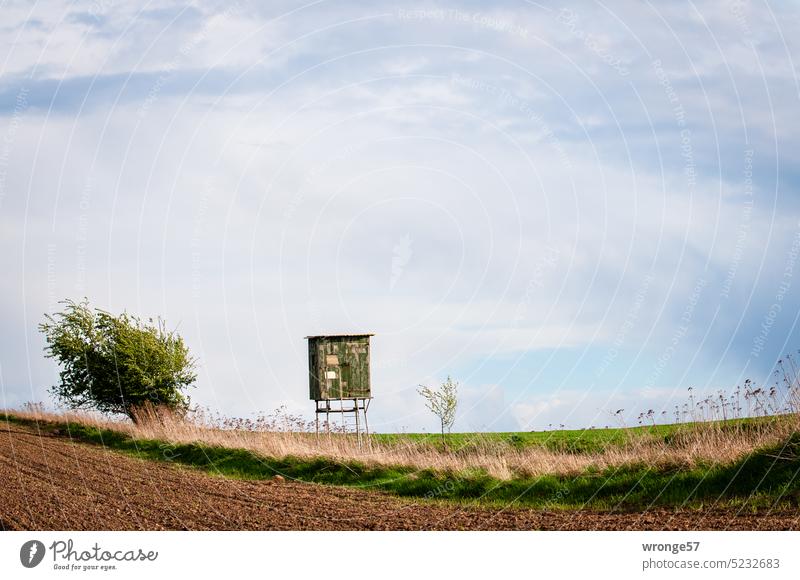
569,209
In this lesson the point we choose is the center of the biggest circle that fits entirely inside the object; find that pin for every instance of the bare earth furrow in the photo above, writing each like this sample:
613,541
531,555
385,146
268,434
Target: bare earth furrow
52,483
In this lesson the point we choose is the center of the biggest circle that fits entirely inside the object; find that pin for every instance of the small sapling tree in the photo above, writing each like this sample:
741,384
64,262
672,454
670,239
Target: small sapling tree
442,402
117,364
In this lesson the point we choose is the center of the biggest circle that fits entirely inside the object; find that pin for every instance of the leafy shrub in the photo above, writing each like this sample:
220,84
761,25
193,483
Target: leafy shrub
116,364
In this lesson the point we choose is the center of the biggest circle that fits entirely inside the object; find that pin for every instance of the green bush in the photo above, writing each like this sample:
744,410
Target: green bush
116,364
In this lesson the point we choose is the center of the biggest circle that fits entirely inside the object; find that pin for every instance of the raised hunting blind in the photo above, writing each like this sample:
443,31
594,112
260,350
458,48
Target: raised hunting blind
339,378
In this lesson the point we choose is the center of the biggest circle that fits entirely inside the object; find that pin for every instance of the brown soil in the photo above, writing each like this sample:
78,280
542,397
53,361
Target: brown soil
51,483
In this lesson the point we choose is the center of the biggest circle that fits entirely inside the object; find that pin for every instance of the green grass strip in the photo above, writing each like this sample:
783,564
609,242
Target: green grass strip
766,478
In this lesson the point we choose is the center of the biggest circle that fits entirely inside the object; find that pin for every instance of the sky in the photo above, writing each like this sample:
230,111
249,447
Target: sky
570,209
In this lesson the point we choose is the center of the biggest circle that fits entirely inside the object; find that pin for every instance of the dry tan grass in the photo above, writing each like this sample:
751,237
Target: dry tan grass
690,445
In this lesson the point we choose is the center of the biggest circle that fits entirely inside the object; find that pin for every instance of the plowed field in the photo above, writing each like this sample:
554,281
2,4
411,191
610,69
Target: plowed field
52,483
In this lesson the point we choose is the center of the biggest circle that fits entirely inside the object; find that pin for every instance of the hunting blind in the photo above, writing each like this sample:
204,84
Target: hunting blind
338,372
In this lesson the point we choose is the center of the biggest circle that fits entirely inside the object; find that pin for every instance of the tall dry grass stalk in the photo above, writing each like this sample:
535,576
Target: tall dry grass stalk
274,436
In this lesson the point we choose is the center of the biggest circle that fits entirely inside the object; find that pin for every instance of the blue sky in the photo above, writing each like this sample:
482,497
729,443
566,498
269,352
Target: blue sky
569,209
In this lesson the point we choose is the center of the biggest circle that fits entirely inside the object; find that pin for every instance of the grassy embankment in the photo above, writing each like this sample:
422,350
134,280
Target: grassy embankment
749,463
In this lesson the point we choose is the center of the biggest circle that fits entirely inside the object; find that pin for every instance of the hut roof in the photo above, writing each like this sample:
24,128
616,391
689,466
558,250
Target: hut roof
340,335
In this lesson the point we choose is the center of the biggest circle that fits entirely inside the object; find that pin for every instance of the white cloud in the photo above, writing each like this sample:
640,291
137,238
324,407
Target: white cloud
269,206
